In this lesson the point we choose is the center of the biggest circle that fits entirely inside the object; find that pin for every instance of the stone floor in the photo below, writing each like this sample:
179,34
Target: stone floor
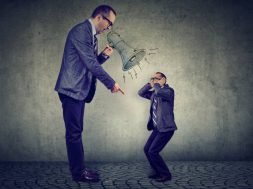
186,175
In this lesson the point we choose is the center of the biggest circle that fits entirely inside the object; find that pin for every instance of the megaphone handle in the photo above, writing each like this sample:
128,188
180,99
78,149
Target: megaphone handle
111,44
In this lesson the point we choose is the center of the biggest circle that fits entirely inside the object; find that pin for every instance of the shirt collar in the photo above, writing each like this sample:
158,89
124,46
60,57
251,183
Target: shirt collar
93,27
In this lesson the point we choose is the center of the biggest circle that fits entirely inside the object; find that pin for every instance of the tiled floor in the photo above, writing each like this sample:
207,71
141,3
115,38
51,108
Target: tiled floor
187,175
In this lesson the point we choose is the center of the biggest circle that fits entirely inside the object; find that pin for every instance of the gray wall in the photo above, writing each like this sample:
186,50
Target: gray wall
205,49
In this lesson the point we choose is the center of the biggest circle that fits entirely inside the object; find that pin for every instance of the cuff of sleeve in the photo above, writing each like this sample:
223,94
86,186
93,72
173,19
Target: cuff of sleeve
105,56
111,88
157,86
148,85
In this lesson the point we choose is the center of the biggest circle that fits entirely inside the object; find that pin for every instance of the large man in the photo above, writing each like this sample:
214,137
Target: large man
161,121
76,84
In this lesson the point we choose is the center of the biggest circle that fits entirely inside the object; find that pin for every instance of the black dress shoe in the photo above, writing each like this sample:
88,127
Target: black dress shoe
91,172
163,178
87,176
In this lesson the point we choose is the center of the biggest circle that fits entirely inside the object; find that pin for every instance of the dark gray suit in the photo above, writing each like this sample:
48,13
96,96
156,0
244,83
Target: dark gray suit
76,85
165,127
80,64
165,107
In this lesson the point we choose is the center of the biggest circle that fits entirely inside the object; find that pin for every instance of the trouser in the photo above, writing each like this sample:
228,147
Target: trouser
154,145
73,113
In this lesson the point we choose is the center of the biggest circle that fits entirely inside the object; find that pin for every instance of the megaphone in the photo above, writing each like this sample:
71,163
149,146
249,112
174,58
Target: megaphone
130,56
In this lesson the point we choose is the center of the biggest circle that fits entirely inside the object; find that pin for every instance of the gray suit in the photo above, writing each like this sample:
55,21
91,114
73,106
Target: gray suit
165,114
165,125
81,65
76,86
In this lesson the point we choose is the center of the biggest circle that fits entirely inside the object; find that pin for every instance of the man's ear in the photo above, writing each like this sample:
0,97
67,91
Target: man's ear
99,17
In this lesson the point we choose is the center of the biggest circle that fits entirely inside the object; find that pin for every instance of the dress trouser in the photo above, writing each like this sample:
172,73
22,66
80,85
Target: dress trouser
73,113
154,145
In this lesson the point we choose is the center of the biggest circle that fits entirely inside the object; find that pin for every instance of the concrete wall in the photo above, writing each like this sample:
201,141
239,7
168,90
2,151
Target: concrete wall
205,49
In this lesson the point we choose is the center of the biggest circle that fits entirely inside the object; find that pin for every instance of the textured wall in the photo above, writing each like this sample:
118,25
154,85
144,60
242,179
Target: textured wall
205,49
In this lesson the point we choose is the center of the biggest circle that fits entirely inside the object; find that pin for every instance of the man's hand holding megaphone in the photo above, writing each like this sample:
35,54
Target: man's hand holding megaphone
107,50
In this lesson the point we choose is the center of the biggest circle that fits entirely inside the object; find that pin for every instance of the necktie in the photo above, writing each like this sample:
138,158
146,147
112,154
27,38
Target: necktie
95,45
154,112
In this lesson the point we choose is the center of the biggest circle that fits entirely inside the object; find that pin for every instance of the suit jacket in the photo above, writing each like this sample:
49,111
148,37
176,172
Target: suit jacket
80,65
165,106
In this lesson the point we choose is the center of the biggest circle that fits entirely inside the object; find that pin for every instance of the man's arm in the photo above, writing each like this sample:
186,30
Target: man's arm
102,58
85,50
164,93
105,54
144,91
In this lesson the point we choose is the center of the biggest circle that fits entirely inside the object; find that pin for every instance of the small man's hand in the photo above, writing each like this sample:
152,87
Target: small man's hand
107,50
161,81
156,81
151,82
116,88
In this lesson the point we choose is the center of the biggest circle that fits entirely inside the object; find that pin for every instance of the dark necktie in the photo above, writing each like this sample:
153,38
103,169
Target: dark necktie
95,45
154,111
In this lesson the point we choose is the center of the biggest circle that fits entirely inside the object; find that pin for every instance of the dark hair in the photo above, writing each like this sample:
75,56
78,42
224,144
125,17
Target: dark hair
162,74
105,9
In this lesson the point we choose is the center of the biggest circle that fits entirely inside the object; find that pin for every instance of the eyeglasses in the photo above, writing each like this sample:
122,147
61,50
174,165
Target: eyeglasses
155,78
109,22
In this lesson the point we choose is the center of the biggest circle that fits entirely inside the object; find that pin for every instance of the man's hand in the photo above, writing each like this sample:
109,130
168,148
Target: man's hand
116,88
161,81
107,50
151,82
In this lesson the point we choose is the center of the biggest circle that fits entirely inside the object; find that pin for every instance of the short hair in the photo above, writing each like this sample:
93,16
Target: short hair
105,9
163,75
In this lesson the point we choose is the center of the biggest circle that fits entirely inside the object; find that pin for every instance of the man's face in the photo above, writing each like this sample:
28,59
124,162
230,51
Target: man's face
105,22
159,79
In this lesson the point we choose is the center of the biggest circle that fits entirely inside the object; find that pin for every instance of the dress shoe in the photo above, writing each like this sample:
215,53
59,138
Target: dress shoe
87,176
91,172
163,178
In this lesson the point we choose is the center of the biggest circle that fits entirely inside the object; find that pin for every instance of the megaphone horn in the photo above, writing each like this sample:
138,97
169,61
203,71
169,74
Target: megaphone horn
130,56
